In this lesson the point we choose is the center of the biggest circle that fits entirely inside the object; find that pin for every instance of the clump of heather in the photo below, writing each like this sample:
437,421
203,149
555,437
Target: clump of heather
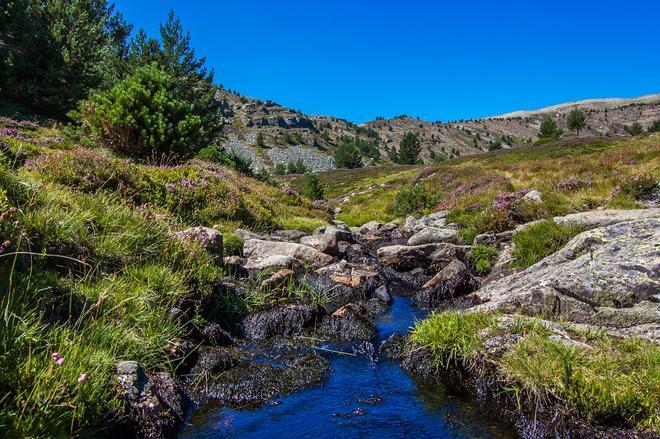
286,190
638,186
10,132
573,184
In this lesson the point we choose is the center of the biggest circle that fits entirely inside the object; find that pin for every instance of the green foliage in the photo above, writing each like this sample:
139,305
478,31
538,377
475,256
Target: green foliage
348,156
232,243
639,186
416,198
53,53
540,240
451,336
297,167
654,127
228,158
280,169
493,145
549,129
483,257
142,115
576,120
494,220
616,381
312,188
260,140
409,149
635,129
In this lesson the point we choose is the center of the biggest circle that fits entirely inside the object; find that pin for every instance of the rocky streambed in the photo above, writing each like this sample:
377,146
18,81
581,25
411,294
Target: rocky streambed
344,365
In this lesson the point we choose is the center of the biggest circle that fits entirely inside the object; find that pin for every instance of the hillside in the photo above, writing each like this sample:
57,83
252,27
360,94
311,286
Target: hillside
288,135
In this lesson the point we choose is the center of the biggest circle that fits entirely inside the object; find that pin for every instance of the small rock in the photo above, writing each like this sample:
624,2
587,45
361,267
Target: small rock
533,196
277,280
382,294
430,235
322,242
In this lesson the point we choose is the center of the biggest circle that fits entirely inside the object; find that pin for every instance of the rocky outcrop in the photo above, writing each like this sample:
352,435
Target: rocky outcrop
436,220
256,250
601,218
375,235
605,276
285,320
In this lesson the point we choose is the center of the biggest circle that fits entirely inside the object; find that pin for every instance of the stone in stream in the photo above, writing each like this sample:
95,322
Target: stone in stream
283,320
348,323
155,404
452,281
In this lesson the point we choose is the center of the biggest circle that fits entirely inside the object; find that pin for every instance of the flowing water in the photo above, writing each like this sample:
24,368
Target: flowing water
362,398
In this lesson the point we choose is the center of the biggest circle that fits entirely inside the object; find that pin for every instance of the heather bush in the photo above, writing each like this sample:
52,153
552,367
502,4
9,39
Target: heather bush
416,198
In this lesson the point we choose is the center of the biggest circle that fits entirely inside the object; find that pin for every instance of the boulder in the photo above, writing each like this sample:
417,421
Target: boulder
403,283
605,276
285,320
277,280
533,196
287,235
601,218
430,235
246,234
348,323
382,294
324,243
210,238
452,281
371,226
215,359
436,219
406,257
339,232
155,404
270,262
256,250
363,278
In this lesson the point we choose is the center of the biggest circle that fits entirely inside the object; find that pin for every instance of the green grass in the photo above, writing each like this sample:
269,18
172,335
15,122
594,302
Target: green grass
602,379
540,240
483,257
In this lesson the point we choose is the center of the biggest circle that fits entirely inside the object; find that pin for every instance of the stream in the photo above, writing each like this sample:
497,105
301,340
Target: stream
363,397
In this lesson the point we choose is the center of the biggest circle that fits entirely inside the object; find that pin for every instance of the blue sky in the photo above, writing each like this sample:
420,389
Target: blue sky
438,60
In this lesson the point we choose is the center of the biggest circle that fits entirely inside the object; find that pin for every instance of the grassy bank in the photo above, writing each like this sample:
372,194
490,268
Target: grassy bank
602,379
91,275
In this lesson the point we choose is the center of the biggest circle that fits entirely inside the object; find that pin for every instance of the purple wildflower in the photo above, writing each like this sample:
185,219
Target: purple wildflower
82,378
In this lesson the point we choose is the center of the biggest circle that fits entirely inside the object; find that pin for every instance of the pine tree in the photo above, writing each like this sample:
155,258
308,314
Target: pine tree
549,129
576,120
312,188
409,149
348,156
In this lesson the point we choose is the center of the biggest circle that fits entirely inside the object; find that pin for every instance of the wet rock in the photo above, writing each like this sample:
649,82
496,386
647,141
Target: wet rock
603,276
420,363
285,320
382,294
252,384
375,306
287,235
213,334
403,283
256,251
277,280
430,235
395,347
453,280
363,278
348,323
215,359
155,404
322,242
211,239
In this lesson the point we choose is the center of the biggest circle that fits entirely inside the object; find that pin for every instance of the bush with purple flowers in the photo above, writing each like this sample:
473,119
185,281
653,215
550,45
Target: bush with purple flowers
574,184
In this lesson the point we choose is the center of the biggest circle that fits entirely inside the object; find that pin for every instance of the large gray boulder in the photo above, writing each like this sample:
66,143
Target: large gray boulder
601,218
606,276
324,243
408,257
256,250
430,235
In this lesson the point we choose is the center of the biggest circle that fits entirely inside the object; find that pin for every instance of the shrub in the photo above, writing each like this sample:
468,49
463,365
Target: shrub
348,156
482,258
280,169
549,129
654,127
232,243
228,158
540,240
297,167
415,198
639,186
312,188
494,220
409,149
260,140
635,129
142,115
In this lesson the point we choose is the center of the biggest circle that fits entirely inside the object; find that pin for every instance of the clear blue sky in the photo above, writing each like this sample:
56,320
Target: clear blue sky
438,60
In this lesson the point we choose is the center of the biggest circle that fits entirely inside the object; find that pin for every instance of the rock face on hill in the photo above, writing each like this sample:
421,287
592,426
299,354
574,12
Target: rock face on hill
270,134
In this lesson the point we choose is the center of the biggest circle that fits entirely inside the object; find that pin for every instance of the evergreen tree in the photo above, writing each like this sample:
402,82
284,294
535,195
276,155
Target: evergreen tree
312,188
53,53
409,149
348,156
576,120
635,129
549,129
